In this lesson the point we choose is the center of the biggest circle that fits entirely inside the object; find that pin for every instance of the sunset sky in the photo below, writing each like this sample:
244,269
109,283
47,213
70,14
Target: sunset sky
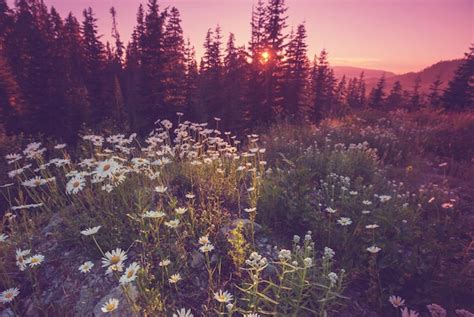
394,35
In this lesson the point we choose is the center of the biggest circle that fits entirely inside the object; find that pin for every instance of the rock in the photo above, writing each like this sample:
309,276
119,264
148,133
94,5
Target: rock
53,226
7,313
124,308
197,259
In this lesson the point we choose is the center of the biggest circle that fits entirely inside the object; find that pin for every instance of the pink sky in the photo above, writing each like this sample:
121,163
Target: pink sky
394,35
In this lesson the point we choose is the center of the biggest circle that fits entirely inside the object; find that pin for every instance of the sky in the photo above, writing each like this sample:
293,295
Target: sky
393,35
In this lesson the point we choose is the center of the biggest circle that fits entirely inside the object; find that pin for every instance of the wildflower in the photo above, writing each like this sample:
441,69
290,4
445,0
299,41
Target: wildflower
384,198
106,168
307,236
353,193
447,205
332,278
35,260
190,196
204,239
183,313
174,278
90,231
308,262
256,260
3,237
366,212
249,210
9,295
34,182
284,255
296,238
372,226
344,221
396,301
60,146
181,210
153,214
164,263
115,257
86,267
172,223
229,306
20,258
110,305
436,310
409,313
367,202
463,313
12,158
373,249
75,184
167,124
161,189
328,253
252,315
208,247
331,210
130,273
223,297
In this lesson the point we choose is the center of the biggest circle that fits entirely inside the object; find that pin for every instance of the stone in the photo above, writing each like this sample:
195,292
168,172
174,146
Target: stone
124,308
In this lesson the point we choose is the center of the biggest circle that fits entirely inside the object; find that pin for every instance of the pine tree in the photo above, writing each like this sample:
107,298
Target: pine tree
119,46
460,92
434,97
323,85
296,75
340,108
377,95
395,98
94,58
174,68
416,100
191,81
235,76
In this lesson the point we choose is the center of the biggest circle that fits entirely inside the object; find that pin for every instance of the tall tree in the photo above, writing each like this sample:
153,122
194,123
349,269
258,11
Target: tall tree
416,100
395,98
377,95
296,75
434,96
460,92
323,85
174,68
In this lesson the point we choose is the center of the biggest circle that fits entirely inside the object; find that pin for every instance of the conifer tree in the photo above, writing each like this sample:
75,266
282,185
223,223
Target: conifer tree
395,98
296,75
323,85
459,94
416,101
434,96
377,95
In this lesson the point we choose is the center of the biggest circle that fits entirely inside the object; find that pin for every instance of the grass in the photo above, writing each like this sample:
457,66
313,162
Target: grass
366,206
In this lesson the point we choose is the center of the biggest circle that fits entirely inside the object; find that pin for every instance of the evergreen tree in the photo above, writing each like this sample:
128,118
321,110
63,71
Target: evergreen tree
296,75
174,68
416,100
395,98
460,92
323,85
339,108
191,81
235,71
377,95
434,97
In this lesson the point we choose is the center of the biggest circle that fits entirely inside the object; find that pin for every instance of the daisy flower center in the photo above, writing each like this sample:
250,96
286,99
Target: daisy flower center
106,167
76,184
115,259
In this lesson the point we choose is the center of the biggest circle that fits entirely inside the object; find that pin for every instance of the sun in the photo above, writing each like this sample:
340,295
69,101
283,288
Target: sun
265,57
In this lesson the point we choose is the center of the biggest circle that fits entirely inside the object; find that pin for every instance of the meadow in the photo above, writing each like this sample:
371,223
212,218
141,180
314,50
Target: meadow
366,215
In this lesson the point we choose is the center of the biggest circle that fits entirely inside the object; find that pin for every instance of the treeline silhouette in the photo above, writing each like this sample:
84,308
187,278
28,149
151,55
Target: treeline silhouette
57,76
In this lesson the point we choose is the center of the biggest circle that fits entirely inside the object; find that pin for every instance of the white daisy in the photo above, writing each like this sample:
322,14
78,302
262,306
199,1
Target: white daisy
86,267
161,189
75,184
35,260
9,295
181,210
174,278
90,231
106,168
223,297
172,223
183,313
130,273
344,221
164,263
3,237
153,214
373,249
114,257
110,305
208,247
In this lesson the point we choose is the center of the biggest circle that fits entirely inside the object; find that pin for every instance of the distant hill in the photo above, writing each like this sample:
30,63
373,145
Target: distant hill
444,69
351,72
